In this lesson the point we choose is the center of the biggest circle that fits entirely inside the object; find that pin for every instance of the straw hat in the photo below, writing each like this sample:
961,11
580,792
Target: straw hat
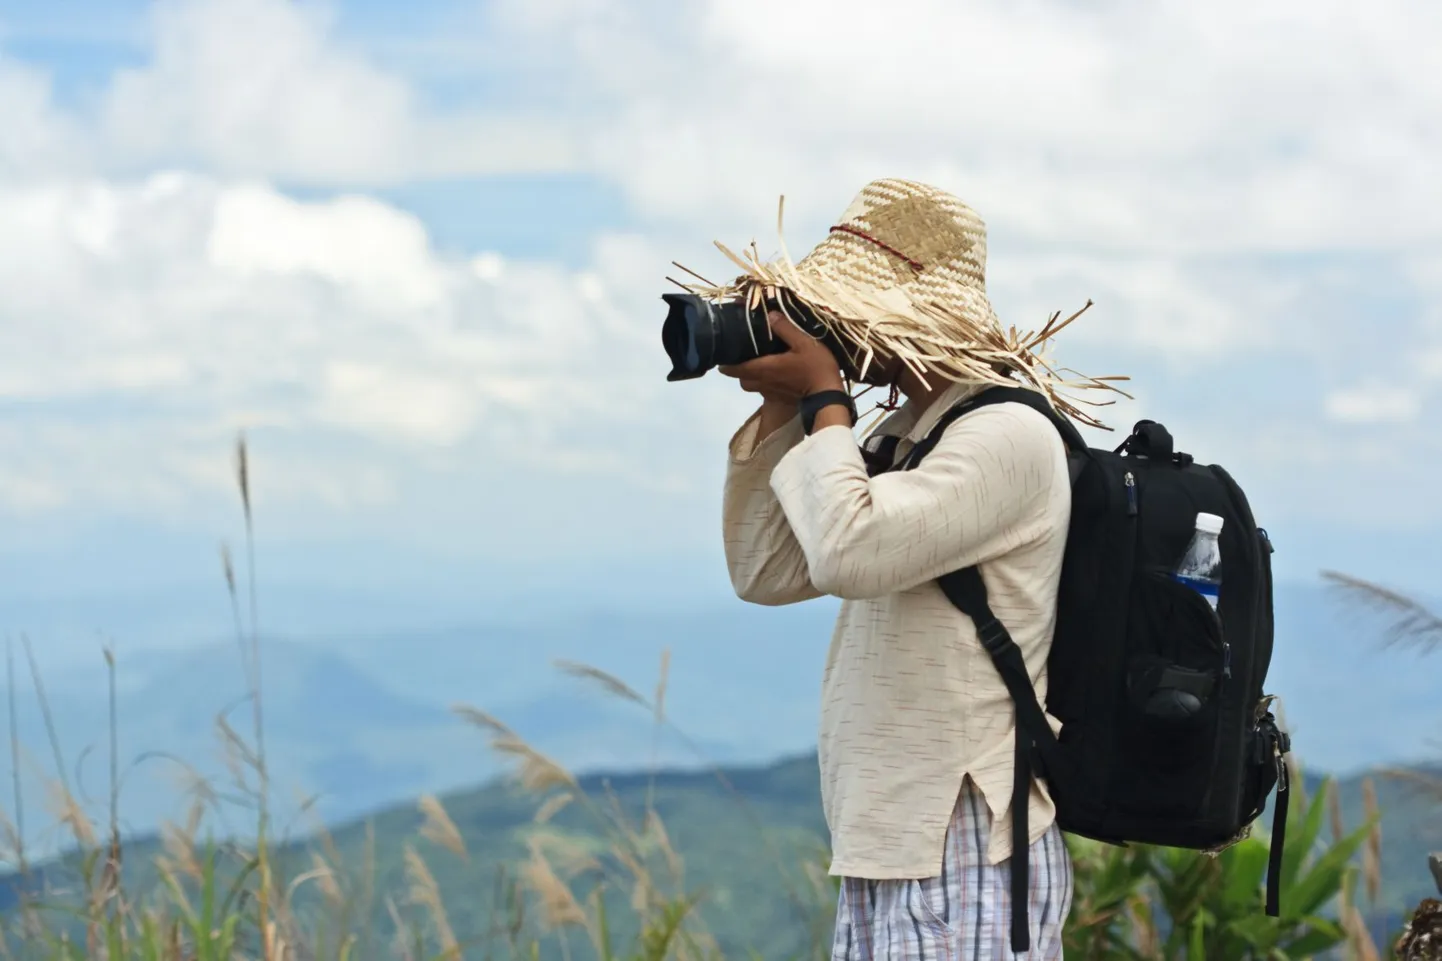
903,274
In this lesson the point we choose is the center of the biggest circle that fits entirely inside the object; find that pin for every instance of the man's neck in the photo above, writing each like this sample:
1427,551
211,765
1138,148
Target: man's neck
921,396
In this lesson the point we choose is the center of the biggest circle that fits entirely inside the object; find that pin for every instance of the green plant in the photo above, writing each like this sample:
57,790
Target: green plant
1110,904
1153,903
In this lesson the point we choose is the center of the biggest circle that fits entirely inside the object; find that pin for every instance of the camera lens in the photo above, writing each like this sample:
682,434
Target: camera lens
699,335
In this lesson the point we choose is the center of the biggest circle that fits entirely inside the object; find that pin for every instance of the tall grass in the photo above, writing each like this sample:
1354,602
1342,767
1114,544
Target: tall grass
199,899
1411,625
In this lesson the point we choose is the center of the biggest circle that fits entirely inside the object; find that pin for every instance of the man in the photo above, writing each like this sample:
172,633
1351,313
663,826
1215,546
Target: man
916,734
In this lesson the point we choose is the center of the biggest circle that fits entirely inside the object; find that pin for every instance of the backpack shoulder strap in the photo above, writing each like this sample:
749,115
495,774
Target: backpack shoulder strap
967,591
1072,437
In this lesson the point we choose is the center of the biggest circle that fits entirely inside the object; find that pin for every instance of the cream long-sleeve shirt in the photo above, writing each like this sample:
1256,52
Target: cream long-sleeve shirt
911,703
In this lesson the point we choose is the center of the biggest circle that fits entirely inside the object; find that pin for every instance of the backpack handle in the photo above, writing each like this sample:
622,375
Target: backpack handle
1148,439
1154,442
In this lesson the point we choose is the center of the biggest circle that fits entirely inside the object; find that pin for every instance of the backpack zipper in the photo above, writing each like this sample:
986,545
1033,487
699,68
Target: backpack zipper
1131,482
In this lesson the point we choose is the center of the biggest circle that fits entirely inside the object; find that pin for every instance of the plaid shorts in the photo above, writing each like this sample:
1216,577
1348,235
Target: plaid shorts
963,915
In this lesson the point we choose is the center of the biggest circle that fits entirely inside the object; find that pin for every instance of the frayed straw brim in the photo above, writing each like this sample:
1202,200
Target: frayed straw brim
865,287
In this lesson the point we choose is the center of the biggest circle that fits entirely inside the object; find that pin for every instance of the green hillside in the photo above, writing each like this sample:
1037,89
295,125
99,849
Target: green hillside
750,842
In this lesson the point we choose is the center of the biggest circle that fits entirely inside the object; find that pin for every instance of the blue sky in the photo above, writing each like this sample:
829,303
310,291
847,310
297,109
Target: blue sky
416,251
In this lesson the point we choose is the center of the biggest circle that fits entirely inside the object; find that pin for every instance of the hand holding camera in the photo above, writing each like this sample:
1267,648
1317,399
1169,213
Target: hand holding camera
806,367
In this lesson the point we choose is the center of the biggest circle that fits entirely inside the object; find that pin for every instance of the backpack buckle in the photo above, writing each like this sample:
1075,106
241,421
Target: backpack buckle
993,636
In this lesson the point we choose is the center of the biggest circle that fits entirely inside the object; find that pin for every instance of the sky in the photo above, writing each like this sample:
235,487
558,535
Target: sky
416,251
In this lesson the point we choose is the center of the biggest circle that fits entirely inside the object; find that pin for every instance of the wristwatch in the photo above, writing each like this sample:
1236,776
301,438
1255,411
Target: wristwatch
812,404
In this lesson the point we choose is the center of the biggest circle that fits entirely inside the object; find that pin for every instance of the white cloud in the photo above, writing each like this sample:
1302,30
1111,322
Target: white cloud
1374,404
264,88
36,136
1150,158
1166,128
353,242
143,323
1142,157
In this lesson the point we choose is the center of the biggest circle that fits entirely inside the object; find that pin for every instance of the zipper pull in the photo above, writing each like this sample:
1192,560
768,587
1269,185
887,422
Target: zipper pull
1226,661
1267,539
1131,483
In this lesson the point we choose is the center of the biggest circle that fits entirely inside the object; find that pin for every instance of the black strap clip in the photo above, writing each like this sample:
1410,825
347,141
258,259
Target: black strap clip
994,636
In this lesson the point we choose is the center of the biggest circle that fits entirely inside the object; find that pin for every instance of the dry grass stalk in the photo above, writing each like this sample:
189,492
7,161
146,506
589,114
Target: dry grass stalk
324,877
18,830
1143,921
569,857
10,845
643,889
655,830
559,907
326,880
479,718
1372,851
227,568
608,682
266,881
242,473
1427,784
1413,625
1295,769
237,755
438,827
661,684
177,888
425,892
1334,807
50,730
553,806
536,772
179,846
69,814
1359,941
399,946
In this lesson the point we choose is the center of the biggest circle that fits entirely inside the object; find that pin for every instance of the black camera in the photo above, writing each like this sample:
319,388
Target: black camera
700,334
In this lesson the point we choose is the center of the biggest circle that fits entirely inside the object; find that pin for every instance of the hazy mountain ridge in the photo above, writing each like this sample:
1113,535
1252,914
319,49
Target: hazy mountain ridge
364,721
745,850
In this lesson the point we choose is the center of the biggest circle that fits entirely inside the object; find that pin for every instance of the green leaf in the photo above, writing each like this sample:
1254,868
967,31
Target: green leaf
1244,867
1197,946
1323,881
603,926
1303,838
237,885
1320,935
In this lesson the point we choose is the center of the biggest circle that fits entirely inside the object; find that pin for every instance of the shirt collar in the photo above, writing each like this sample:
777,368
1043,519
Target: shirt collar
947,399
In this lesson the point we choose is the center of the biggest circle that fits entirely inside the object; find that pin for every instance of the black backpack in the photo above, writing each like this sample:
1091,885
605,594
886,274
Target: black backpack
1167,738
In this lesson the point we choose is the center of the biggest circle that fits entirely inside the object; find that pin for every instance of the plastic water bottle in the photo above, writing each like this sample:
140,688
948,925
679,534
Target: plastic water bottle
1201,566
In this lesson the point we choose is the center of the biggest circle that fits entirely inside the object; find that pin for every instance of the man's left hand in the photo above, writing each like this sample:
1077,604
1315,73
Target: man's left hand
807,367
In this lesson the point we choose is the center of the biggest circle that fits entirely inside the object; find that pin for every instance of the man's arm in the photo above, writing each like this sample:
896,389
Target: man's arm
979,494
766,563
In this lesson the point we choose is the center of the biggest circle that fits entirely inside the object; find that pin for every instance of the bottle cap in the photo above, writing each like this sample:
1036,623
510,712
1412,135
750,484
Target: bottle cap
1209,523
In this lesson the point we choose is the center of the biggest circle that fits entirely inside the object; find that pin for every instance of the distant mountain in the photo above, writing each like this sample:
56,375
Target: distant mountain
333,732
364,720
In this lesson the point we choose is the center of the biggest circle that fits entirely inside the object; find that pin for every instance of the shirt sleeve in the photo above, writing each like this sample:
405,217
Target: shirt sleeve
766,562
979,494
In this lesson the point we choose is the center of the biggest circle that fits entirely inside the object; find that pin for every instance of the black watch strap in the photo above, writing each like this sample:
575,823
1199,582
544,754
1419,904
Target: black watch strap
812,404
